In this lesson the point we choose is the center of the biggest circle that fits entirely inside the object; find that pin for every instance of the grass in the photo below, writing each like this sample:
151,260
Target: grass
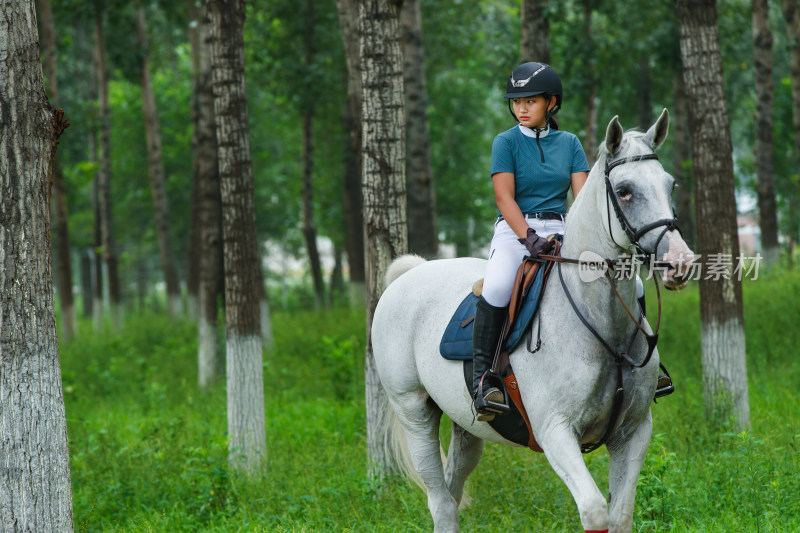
148,447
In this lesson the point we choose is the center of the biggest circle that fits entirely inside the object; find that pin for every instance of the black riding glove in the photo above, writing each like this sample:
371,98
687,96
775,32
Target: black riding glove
535,244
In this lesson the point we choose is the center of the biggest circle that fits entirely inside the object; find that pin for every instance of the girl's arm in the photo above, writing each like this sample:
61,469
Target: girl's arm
578,180
504,195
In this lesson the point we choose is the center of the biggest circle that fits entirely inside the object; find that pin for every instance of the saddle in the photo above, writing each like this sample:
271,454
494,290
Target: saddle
529,285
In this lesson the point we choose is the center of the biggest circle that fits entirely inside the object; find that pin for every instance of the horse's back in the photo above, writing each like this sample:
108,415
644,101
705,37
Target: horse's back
416,307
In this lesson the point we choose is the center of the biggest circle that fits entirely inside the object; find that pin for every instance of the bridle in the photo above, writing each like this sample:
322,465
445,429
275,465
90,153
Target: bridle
633,234
611,197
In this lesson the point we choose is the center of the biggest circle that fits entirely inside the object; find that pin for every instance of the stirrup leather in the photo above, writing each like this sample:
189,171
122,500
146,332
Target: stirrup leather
490,401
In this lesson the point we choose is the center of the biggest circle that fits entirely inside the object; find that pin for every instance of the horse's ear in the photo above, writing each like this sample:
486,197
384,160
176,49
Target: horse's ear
658,131
614,136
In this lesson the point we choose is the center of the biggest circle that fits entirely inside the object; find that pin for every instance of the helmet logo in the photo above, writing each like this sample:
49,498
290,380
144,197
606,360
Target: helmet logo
523,83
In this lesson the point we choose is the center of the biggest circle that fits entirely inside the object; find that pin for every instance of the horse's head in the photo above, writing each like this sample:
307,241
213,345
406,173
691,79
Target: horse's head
639,200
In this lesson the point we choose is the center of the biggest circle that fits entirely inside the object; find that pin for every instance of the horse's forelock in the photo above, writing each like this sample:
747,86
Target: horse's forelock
633,143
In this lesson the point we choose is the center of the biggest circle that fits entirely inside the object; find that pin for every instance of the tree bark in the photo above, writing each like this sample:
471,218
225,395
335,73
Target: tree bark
681,157
309,229
351,120
307,192
791,12
243,277
590,142
723,339
155,165
104,181
208,217
643,96
193,253
762,52
59,197
423,236
97,294
534,32
383,184
86,281
35,491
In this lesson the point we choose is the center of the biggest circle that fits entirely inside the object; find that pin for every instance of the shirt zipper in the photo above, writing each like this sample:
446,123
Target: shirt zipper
539,144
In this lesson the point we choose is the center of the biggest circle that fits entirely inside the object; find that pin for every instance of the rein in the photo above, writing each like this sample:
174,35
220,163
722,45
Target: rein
634,235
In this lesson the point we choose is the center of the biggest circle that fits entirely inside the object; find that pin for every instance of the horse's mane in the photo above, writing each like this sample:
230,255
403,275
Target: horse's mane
633,143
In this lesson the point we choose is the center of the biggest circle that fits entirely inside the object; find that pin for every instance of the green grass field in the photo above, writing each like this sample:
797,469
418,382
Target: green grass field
148,448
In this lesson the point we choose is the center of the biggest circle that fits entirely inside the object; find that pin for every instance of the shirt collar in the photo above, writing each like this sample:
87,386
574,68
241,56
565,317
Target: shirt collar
529,132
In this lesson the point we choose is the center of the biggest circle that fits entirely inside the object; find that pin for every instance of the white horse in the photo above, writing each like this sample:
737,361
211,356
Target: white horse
568,386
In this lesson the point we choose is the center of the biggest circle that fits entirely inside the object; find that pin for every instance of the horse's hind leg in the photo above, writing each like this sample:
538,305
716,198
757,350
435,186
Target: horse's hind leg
627,456
462,458
561,447
420,419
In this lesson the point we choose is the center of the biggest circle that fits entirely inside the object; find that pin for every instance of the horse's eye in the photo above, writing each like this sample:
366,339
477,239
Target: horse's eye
624,194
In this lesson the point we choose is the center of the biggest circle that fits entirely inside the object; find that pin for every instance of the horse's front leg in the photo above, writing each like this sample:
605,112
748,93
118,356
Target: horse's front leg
561,446
627,456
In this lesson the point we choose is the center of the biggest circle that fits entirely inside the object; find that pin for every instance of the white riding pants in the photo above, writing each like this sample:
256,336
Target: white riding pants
505,256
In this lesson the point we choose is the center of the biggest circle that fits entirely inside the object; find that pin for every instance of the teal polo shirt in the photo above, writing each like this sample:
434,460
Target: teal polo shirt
539,186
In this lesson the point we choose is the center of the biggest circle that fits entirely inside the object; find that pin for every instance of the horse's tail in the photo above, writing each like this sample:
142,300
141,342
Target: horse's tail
400,266
396,447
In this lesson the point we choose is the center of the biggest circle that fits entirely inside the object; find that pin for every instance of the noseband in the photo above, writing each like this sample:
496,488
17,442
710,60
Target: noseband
633,234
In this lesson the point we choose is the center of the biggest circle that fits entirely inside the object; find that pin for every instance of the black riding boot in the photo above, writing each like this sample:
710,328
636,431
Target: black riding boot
489,398
664,387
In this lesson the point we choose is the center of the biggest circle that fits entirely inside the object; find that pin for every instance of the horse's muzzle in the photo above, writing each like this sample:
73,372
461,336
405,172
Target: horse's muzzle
678,270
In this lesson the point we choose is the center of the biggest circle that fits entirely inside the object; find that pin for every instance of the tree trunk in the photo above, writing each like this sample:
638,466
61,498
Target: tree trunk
207,219
534,31
104,182
681,157
309,229
35,491
423,236
307,192
351,120
243,278
762,52
97,295
337,286
723,340
791,12
86,281
590,142
382,183
196,36
59,197
155,165
643,96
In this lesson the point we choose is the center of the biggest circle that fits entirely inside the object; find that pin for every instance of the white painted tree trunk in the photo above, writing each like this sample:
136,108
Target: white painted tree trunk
383,184
35,491
155,166
243,279
712,157
765,149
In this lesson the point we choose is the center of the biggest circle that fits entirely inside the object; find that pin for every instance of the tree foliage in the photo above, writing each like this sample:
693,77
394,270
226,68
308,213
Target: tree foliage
470,49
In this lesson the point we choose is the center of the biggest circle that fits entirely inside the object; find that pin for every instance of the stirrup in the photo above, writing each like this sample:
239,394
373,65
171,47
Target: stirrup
493,401
664,386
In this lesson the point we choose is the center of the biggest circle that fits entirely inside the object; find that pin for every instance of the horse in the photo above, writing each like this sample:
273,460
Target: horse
569,386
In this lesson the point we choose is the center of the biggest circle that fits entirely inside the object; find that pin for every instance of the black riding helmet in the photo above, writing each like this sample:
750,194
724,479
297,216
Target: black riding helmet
534,78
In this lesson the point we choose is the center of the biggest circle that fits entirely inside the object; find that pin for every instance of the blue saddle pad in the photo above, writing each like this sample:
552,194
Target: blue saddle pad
456,342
